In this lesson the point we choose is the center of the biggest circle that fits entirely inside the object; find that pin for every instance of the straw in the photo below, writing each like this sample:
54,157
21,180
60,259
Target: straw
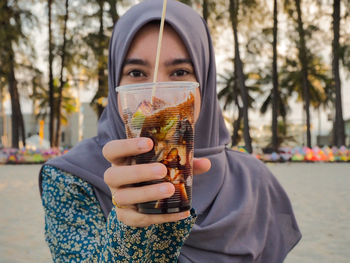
159,45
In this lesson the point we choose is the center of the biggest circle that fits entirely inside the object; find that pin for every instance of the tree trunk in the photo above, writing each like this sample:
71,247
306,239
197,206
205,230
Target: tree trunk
237,126
304,68
339,130
102,87
234,7
3,119
51,86
113,10
275,91
18,129
205,11
8,69
62,82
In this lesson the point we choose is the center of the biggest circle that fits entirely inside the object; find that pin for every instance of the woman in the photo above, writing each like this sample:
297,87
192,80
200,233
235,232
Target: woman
241,213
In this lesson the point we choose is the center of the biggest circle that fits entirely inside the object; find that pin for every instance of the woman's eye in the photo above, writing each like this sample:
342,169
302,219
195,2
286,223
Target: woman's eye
180,73
136,74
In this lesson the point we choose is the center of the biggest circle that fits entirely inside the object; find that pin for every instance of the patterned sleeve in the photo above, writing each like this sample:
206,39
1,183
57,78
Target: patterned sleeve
77,231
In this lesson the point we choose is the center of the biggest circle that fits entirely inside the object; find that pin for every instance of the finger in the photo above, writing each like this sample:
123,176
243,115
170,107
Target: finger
201,165
131,217
117,149
140,194
117,176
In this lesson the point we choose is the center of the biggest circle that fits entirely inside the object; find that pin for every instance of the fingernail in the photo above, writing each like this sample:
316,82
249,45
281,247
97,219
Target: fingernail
143,144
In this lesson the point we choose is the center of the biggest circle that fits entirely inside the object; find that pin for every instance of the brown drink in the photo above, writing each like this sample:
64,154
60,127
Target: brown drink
168,119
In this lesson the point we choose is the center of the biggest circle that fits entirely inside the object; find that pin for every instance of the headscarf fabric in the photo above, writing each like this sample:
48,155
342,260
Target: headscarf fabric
244,215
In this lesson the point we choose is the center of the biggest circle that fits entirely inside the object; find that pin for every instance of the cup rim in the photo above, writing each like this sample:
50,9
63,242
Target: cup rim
150,85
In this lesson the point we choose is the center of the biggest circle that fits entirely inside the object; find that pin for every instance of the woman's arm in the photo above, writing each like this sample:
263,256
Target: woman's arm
76,230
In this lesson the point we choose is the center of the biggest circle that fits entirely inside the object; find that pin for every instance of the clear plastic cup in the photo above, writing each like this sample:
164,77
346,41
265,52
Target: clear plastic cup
168,119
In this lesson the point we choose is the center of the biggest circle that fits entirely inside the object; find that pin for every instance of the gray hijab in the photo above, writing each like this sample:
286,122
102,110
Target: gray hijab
243,213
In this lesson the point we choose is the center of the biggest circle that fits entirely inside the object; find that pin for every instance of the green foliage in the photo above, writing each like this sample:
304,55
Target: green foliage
12,19
319,80
231,93
41,96
265,83
15,52
213,11
90,25
97,44
344,54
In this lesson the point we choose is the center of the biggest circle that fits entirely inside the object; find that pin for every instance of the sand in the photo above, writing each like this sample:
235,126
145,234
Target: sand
22,216
320,195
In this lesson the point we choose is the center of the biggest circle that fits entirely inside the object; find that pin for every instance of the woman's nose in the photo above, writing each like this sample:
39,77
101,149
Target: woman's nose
161,76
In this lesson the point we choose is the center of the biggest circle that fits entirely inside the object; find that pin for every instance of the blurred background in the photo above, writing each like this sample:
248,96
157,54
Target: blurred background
283,70
283,83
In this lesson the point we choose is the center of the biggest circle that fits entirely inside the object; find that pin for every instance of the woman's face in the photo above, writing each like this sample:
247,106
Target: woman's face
174,63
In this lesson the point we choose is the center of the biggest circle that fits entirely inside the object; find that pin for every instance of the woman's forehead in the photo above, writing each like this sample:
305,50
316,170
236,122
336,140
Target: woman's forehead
146,41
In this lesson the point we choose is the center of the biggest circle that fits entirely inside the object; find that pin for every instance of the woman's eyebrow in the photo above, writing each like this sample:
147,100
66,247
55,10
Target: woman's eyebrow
135,61
178,61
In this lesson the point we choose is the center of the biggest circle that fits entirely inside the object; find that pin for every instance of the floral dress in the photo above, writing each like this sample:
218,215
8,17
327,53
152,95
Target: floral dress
77,231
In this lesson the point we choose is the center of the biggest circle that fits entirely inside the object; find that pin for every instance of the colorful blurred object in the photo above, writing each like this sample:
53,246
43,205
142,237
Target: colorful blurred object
240,149
32,155
28,155
305,154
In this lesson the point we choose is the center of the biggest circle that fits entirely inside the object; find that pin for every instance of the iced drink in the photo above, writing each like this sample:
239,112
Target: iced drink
165,115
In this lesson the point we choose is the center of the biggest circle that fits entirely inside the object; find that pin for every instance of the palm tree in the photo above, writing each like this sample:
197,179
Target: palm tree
262,42
231,94
3,121
304,70
12,18
234,11
205,8
62,81
69,50
51,84
338,130
113,10
319,80
98,42
281,109
43,101
275,91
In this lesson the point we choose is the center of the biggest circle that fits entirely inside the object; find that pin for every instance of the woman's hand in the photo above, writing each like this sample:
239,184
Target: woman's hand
120,176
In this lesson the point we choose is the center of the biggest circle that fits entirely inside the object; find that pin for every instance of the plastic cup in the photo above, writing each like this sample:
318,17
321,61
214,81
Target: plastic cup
164,112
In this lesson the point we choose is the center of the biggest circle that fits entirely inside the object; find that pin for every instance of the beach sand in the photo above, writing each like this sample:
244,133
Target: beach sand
320,195
22,216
